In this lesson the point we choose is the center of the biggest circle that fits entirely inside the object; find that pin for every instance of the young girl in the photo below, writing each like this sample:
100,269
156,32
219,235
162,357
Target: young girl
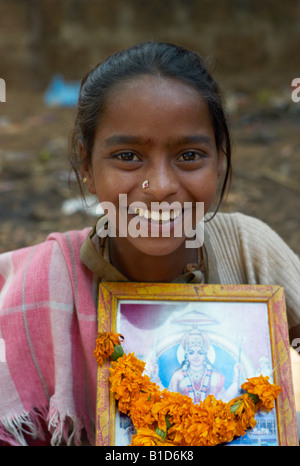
150,130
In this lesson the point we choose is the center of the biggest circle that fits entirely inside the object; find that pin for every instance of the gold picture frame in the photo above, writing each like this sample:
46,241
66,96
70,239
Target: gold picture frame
245,327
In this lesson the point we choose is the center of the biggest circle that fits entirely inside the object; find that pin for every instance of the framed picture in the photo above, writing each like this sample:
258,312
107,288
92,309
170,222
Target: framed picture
242,330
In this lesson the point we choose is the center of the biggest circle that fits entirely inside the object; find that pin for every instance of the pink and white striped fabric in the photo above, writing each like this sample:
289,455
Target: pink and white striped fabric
48,328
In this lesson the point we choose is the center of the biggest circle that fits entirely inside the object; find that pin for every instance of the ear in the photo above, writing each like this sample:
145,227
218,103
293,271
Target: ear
86,171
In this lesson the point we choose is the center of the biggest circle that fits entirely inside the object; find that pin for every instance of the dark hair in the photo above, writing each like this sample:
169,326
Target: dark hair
152,58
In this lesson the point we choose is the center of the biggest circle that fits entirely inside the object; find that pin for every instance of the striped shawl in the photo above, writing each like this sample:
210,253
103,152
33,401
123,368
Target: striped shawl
47,336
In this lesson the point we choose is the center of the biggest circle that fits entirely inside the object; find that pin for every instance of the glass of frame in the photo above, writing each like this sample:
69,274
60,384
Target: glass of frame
242,330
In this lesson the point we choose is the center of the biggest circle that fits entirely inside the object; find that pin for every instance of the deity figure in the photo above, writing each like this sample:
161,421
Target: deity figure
196,376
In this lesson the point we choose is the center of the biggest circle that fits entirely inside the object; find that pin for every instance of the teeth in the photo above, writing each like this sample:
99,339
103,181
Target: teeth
164,216
155,215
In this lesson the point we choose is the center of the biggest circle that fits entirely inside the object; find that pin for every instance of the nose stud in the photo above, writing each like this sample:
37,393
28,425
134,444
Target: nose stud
145,184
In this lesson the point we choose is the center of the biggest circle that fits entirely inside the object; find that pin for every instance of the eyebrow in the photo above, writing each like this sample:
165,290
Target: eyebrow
181,140
117,139
193,139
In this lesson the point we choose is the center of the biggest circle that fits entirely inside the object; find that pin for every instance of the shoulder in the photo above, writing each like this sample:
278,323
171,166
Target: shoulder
64,246
33,266
70,240
242,230
237,221
251,237
65,254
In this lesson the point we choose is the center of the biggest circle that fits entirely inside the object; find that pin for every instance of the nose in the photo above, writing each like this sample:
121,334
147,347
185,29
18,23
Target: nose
163,181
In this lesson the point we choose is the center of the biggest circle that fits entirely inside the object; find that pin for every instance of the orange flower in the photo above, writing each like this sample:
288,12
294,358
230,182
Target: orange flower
105,345
146,437
173,405
265,391
128,362
141,410
127,381
244,410
211,423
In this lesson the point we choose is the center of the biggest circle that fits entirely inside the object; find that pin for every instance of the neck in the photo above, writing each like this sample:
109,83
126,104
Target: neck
140,267
197,369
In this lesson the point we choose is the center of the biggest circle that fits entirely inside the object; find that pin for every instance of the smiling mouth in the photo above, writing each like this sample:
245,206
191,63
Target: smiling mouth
158,216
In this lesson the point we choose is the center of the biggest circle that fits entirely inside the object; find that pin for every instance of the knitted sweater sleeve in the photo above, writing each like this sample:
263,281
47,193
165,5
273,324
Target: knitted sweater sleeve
253,253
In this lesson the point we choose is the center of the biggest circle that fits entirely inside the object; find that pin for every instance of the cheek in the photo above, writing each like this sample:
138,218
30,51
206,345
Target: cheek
205,190
110,183
104,186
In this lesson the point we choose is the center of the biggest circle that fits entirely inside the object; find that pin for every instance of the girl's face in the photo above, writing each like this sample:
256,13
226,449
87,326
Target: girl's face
160,130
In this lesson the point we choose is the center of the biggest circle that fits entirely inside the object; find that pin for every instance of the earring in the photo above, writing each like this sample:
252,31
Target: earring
145,184
84,179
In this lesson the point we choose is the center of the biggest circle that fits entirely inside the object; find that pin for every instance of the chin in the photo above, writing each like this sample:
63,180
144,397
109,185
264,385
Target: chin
157,246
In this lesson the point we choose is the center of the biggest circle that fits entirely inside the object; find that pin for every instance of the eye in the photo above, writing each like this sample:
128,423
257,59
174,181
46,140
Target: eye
190,156
126,157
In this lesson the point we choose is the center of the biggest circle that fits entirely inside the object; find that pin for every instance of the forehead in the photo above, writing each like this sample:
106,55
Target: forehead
150,103
155,87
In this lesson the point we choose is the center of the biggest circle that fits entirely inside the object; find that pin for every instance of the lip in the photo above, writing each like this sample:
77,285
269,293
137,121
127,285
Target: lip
160,228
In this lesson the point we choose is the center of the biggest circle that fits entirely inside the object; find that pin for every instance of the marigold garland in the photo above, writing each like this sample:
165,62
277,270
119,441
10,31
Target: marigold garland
163,418
106,344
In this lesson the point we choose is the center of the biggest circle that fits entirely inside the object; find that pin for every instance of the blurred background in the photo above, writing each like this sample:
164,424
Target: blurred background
46,47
